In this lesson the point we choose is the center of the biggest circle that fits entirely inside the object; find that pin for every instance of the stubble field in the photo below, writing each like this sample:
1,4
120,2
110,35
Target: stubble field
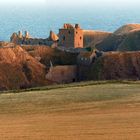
108,111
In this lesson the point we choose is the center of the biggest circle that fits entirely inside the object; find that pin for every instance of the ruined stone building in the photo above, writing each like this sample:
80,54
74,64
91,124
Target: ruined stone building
70,36
26,39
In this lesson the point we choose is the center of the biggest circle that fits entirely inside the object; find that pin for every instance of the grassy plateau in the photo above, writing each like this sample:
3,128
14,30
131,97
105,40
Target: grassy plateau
80,111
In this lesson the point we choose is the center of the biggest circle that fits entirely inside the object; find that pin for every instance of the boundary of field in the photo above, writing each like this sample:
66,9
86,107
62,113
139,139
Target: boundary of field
76,84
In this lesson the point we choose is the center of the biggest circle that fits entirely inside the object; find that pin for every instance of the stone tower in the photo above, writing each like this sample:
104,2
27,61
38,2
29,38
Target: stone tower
70,36
27,34
20,34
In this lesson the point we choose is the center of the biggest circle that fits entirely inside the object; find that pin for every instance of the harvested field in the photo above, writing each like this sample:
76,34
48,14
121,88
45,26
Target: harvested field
108,111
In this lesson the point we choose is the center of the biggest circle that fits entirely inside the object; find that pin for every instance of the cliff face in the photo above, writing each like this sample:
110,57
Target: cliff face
116,65
19,70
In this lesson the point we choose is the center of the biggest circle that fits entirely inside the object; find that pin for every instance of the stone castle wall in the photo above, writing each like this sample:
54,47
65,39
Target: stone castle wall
26,39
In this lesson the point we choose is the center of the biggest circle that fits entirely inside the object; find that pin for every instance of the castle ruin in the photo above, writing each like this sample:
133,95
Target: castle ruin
26,39
70,36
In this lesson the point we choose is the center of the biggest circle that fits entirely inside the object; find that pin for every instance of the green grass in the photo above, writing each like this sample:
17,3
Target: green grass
76,84
51,98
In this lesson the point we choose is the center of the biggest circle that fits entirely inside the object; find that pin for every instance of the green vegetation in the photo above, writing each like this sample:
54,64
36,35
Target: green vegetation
44,100
76,84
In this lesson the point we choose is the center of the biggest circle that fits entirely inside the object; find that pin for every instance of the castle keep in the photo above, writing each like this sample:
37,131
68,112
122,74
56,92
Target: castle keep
70,36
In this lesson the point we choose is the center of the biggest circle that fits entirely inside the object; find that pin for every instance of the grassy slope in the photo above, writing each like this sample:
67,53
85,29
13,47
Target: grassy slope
126,38
104,111
125,29
94,37
131,42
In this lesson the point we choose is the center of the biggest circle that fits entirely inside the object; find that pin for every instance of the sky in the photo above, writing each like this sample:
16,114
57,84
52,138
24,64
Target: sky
70,3
93,2
22,2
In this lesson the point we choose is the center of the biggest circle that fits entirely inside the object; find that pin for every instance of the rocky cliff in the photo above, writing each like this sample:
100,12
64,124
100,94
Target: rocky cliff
19,70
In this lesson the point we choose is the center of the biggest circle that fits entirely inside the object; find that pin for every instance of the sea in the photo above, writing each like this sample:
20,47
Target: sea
38,21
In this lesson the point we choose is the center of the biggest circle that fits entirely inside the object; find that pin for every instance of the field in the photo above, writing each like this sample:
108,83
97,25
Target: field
86,111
